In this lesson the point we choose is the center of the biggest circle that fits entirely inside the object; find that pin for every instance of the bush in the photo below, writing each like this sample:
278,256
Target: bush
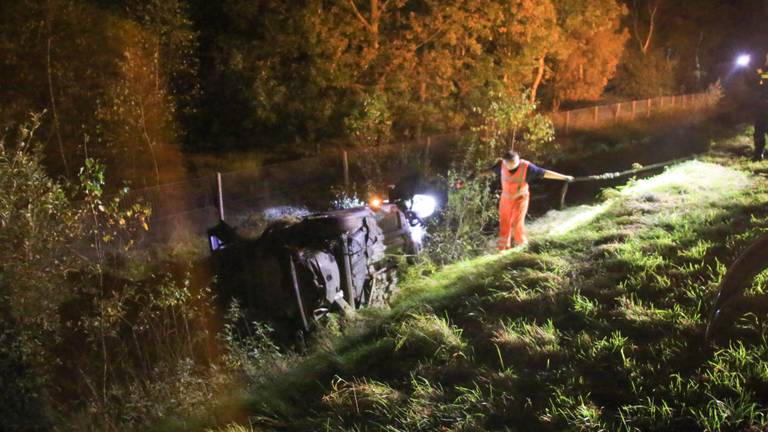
506,122
645,75
370,127
79,343
465,226
250,352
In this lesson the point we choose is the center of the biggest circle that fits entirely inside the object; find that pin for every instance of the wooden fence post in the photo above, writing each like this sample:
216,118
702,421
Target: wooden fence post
649,103
634,109
221,196
594,115
345,163
661,103
567,120
617,113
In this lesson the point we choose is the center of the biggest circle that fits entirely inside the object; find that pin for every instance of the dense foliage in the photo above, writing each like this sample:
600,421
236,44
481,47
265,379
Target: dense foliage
86,344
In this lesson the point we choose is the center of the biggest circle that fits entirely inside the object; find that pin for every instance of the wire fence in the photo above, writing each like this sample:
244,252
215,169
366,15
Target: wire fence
190,207
628,111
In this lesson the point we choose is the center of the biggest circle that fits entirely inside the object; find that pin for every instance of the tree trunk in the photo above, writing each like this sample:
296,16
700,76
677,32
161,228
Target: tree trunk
149,142
538,79
375,20
157,64
645,42
54,111
422,101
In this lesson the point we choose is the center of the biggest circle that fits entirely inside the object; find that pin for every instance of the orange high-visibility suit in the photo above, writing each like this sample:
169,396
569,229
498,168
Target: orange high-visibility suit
513,206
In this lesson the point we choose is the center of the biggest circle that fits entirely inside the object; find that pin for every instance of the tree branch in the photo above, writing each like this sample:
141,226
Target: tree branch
652,25
360,16
539,77
56,123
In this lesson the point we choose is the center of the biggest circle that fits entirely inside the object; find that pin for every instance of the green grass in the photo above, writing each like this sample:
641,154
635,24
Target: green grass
598,325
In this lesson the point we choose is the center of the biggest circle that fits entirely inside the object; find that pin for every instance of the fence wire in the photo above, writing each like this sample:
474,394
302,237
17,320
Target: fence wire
627,111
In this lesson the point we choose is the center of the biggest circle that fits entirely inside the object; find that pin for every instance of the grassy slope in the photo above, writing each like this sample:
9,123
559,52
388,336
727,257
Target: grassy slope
597,326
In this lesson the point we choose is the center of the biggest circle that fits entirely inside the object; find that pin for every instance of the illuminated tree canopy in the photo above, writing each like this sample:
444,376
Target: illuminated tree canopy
147,79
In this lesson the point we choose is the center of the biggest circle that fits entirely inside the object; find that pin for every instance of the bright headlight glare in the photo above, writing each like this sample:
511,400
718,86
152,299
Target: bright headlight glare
417,233
743,60
423,205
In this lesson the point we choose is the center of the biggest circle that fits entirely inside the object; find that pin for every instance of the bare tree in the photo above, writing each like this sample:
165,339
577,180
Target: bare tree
645,36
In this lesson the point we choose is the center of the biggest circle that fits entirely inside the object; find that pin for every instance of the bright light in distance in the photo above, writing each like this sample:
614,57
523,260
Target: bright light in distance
423,205
375,203
743,60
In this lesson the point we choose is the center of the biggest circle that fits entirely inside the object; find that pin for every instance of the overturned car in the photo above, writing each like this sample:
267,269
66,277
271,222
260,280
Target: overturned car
297,272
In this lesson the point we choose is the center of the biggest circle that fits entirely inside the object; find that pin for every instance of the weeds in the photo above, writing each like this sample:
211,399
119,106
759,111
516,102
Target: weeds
429,334
578,413
361,397
531,338
250,351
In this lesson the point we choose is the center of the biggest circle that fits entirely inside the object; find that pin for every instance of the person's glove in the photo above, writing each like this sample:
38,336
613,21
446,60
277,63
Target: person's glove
569,179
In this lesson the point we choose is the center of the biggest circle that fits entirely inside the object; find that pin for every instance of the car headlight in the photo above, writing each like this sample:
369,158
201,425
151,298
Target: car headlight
743,60
423,205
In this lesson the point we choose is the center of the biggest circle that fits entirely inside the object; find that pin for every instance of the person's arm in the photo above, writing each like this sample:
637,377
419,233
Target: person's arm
552,175
535,173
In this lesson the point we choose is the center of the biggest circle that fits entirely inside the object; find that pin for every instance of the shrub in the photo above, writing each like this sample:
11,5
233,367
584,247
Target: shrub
506,122
370,127
77,342
645,75
250,351
462,229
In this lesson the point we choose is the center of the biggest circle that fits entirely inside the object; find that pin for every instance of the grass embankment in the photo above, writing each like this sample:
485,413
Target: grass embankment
598,325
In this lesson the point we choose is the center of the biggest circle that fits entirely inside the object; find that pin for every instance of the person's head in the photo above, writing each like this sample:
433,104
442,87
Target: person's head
511,159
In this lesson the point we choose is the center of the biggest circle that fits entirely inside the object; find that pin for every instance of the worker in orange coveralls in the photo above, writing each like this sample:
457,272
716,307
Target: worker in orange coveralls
515,175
